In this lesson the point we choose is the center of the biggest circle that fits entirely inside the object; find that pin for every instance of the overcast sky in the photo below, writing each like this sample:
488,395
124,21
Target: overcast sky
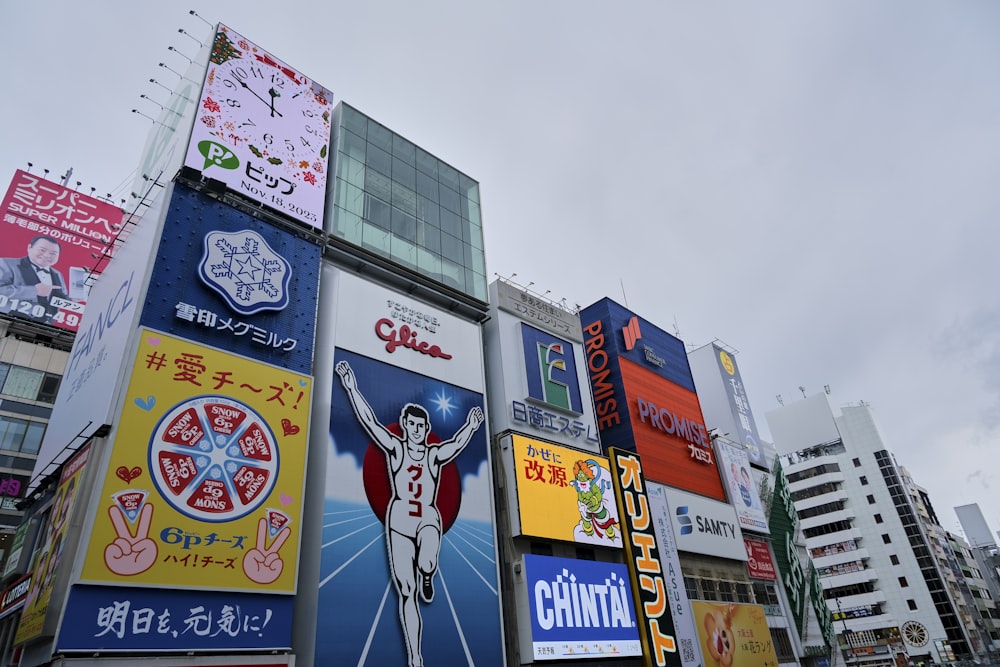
817,184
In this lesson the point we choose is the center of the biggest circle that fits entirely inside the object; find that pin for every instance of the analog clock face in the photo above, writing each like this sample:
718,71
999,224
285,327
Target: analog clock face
263,129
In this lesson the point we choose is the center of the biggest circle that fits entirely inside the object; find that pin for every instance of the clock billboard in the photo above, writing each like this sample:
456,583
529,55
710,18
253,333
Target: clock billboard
262,129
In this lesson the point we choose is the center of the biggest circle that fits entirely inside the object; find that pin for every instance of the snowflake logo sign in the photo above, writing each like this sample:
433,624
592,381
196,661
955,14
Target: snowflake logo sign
245,271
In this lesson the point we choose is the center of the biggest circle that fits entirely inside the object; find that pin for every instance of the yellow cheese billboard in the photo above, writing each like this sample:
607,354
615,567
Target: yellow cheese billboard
204,488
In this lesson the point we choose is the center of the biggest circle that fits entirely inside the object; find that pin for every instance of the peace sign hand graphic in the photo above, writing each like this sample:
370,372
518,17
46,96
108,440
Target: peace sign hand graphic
262,564
127,554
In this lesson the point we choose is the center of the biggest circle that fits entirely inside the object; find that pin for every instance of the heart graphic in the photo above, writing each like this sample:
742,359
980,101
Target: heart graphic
288,427
153,341
147,403
286,499
127,475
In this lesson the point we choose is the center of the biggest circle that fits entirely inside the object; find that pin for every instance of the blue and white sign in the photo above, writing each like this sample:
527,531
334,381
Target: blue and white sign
112,618
245,271
580,609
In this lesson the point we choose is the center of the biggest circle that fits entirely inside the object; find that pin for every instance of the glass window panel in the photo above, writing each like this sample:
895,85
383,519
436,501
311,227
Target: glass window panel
352,145
33,438
452,275
404,198
13,433
377,213
427,163
451,223
347,225
350,198
379,160
380,136
478,261
351,170
404,225
451,249
478,287
378,185
354,121
403,173
450,200
376,240
4,368
427,186
475,216
475,235
22,382
49,388
430,265
403,149
430,238
468,187
403,252
428,211
448,176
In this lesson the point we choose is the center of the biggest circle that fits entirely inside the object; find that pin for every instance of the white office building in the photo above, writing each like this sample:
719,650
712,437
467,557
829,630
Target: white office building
890,601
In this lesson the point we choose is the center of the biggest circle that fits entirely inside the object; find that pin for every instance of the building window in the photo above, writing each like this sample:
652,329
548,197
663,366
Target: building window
886,539
20,435
691,588
878,518
726,593
764,593
22,382
857,463
863,480
743,593
902,582
912,604
541,548
782,645
894,559
871,500
709,591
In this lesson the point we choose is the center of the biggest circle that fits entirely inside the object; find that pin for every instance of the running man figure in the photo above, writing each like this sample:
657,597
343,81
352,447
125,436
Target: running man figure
412,521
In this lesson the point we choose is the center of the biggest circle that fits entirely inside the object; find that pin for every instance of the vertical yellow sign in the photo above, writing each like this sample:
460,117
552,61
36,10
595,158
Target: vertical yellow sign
205,484
45,562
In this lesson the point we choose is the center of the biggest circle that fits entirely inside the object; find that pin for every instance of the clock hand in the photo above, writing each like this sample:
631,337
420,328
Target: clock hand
273,93
252,91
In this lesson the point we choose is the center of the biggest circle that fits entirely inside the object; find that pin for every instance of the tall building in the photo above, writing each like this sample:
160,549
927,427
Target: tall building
873,554
980,557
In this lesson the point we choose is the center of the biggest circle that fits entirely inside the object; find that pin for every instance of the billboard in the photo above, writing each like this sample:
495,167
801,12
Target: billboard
645,563
680,608
262,129
580,609
91,384
111,618
705,526
45,562
644,398
759,562
54,237
538,376
409,479
229,280
734,635
734,463
565,494
204,485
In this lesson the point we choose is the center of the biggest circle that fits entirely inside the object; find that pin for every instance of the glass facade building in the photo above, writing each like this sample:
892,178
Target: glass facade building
399,202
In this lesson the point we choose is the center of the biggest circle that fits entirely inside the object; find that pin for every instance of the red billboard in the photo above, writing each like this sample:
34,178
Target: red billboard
52,238
759,563
669,432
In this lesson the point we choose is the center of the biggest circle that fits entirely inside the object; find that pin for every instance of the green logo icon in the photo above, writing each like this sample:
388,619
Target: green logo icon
218,155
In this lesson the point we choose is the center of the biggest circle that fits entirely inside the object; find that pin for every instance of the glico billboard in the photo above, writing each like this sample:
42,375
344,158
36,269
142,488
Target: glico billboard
645,399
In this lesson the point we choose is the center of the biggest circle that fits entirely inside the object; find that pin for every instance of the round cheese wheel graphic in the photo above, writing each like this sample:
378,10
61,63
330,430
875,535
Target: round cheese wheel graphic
213,458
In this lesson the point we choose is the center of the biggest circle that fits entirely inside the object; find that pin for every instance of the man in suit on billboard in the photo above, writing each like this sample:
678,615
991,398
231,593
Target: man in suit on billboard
413,523
32,280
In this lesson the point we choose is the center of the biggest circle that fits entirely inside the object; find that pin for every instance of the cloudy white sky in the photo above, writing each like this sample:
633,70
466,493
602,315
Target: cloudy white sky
813,183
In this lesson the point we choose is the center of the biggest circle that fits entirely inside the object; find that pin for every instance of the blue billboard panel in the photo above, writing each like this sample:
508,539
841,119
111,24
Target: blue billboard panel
231,281
550,369
629,336
580,609
113,618
408,567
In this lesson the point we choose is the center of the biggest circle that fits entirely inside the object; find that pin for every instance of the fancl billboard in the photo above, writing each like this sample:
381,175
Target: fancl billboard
408,472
